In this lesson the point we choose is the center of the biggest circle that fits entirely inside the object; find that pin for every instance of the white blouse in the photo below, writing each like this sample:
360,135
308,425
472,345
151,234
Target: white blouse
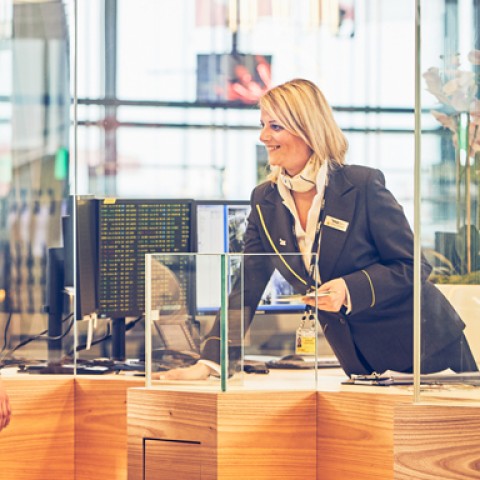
306,238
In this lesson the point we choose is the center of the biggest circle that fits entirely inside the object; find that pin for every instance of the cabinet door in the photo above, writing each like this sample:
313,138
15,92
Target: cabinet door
167,460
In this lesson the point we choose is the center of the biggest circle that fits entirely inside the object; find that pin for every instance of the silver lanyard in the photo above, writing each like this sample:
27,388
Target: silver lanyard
314,269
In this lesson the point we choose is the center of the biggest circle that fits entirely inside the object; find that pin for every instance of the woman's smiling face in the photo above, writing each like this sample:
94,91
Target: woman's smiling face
284,149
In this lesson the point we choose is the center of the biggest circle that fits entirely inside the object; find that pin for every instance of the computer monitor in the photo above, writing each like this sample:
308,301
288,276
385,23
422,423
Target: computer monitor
113,236
220,228
68,243
54,301
127,230
86,257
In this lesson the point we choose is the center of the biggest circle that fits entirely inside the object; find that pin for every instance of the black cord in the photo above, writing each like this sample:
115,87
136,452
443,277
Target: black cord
5,332
130,325
108,335
42,336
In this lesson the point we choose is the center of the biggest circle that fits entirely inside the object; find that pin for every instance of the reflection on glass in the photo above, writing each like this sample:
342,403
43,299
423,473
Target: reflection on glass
231,339
201,69
35,305
450,62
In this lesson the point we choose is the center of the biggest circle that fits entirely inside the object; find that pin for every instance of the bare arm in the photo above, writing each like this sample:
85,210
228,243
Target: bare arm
5,411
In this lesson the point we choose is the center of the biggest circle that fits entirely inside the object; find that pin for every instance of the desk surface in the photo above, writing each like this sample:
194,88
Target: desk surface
324,380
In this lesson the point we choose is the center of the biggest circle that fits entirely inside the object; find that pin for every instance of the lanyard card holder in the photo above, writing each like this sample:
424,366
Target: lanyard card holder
305,341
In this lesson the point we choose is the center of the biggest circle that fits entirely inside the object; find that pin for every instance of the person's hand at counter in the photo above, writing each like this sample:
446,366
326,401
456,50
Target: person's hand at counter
331,297
5,411
199,371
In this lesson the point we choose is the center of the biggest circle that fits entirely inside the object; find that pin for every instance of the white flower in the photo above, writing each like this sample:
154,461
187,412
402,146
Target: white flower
461,90
435,84
457,93
446,120
457,90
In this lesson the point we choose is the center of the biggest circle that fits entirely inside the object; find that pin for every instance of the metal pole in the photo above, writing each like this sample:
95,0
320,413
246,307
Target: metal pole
417,208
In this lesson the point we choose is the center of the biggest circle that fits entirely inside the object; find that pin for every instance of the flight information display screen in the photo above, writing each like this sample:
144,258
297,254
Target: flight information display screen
127,230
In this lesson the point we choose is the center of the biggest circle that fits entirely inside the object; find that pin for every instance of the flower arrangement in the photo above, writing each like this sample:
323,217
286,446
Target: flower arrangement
456,89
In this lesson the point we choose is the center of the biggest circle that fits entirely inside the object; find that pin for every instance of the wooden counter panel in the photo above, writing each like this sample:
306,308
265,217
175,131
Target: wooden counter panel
165,460
255,435
355,435
267,435
172,416
437,442
101,427
64,429
39,442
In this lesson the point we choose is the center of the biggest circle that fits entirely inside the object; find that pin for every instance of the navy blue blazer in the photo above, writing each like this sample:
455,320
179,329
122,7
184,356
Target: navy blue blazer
366,240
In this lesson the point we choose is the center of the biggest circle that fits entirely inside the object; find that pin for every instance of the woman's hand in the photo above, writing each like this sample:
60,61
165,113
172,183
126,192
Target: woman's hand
5,411
199,371
332,302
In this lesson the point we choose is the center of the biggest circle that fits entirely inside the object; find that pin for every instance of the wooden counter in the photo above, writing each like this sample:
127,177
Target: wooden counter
66,428
101,427
210,435
259,432
39,442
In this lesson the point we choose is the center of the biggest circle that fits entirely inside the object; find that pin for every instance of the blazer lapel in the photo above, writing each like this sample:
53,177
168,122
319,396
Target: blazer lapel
340,197
279,227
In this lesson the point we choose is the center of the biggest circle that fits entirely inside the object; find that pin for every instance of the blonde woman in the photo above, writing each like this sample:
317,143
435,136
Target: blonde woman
363,245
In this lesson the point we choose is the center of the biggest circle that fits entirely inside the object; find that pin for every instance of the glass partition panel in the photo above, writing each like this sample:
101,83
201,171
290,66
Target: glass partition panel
164,100
35,304
449,201
231,320
166,104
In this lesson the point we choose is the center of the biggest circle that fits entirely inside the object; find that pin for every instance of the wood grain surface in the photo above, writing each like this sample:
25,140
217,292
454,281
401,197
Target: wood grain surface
437,442
66,428
254,435
355,435
170,417
39,442
267,435
101,427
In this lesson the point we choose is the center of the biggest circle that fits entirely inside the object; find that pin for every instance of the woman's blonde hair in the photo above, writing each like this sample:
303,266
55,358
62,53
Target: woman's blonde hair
300,107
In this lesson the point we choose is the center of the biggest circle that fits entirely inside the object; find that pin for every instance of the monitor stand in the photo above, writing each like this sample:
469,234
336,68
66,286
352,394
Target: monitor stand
118,339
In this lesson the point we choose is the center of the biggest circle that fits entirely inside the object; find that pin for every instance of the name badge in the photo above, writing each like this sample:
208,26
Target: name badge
336,223
306,336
